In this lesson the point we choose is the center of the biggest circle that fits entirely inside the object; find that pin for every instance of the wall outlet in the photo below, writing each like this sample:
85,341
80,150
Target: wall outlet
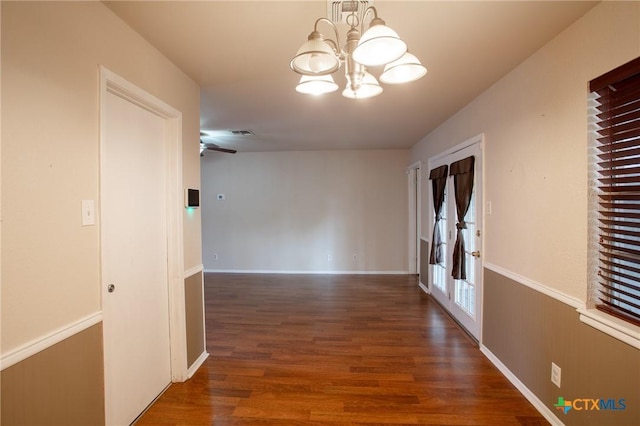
215,256
556,374
329,258
355,256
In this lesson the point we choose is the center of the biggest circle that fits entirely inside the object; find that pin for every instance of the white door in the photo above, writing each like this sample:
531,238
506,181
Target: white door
463,298
135,298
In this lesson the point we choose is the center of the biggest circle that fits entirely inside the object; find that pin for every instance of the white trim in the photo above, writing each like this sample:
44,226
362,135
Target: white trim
531,397
415,165
265,271
56,336
192,271
201,359
113,83
614,327
463,145
555,294
424,287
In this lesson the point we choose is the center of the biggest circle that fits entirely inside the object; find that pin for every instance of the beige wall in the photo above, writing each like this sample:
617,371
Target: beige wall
50,139
535,175
288,211
535,162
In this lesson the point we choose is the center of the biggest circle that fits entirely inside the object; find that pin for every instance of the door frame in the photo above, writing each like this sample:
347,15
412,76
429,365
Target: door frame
112,83
479,170
414,187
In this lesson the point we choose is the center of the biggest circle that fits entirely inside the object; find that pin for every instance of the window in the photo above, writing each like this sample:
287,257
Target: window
615,97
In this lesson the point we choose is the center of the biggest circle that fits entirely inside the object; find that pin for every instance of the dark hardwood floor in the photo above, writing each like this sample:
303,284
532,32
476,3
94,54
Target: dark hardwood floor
336,350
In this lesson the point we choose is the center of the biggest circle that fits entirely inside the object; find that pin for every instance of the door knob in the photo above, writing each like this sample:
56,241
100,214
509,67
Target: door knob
111,288
475,253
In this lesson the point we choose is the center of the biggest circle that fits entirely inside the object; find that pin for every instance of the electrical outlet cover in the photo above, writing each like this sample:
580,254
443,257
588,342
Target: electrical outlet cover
556,374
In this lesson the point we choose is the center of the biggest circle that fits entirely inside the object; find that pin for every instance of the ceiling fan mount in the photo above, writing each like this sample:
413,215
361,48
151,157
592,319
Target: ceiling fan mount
213,147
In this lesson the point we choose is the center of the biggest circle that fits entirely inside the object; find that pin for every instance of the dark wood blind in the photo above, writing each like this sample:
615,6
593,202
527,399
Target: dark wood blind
617,94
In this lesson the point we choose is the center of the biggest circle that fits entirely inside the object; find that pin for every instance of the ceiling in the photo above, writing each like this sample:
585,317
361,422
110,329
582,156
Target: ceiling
239,54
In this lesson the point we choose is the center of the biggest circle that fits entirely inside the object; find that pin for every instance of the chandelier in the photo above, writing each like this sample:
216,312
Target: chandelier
320,57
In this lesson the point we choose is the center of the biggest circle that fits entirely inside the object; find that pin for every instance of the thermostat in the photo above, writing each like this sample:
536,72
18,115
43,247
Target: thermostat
191,198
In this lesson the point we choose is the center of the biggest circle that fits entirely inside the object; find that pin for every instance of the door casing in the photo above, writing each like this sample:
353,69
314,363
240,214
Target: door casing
114,84
476,143
414,185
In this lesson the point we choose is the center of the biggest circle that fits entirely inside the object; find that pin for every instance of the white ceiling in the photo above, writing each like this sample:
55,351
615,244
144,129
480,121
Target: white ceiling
239,54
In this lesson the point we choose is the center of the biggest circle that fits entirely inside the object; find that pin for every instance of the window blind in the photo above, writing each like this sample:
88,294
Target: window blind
617,96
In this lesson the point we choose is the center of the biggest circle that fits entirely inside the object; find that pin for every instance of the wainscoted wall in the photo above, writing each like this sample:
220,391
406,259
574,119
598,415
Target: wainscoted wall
194,307
527,330
424,262
61,385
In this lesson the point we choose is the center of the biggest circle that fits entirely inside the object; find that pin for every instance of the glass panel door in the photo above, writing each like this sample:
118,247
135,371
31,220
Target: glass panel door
462,298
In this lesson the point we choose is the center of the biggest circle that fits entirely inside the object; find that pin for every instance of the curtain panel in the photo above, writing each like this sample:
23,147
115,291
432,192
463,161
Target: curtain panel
438,177
462,172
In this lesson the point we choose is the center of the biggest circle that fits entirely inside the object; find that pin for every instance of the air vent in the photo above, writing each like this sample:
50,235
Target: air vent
242,132
338,11
225,133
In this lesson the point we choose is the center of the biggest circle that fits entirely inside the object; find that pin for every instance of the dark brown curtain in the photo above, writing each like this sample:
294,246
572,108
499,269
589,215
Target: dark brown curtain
438,177
462,172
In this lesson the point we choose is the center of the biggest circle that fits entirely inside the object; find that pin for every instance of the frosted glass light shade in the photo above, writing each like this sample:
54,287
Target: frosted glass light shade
379,45
315,57
407,68
368,88
316,85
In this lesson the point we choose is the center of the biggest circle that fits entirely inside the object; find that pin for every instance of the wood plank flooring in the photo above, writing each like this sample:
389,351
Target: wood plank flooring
336,350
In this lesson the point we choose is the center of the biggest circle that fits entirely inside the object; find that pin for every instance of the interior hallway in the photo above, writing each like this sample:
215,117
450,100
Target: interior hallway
336,349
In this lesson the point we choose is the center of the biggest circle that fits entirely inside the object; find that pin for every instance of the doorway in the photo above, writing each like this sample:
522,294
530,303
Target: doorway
460,295
141,247
413,173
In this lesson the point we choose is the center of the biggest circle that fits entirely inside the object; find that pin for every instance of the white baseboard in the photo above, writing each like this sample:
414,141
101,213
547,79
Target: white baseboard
265,271
56,336
531,397
194,367
424,287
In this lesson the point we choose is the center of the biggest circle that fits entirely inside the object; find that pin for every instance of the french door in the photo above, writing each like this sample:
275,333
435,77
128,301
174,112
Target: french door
461,296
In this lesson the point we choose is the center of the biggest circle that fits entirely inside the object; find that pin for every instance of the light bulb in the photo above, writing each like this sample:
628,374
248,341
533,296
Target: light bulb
316,62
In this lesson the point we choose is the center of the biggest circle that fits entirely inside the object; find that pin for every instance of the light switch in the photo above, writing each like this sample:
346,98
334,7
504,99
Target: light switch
88,213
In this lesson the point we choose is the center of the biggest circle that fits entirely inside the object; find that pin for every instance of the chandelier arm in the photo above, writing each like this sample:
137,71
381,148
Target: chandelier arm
336,44
364,16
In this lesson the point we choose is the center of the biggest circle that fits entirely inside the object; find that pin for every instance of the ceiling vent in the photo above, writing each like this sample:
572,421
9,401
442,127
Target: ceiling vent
214,133
339,10
242,132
